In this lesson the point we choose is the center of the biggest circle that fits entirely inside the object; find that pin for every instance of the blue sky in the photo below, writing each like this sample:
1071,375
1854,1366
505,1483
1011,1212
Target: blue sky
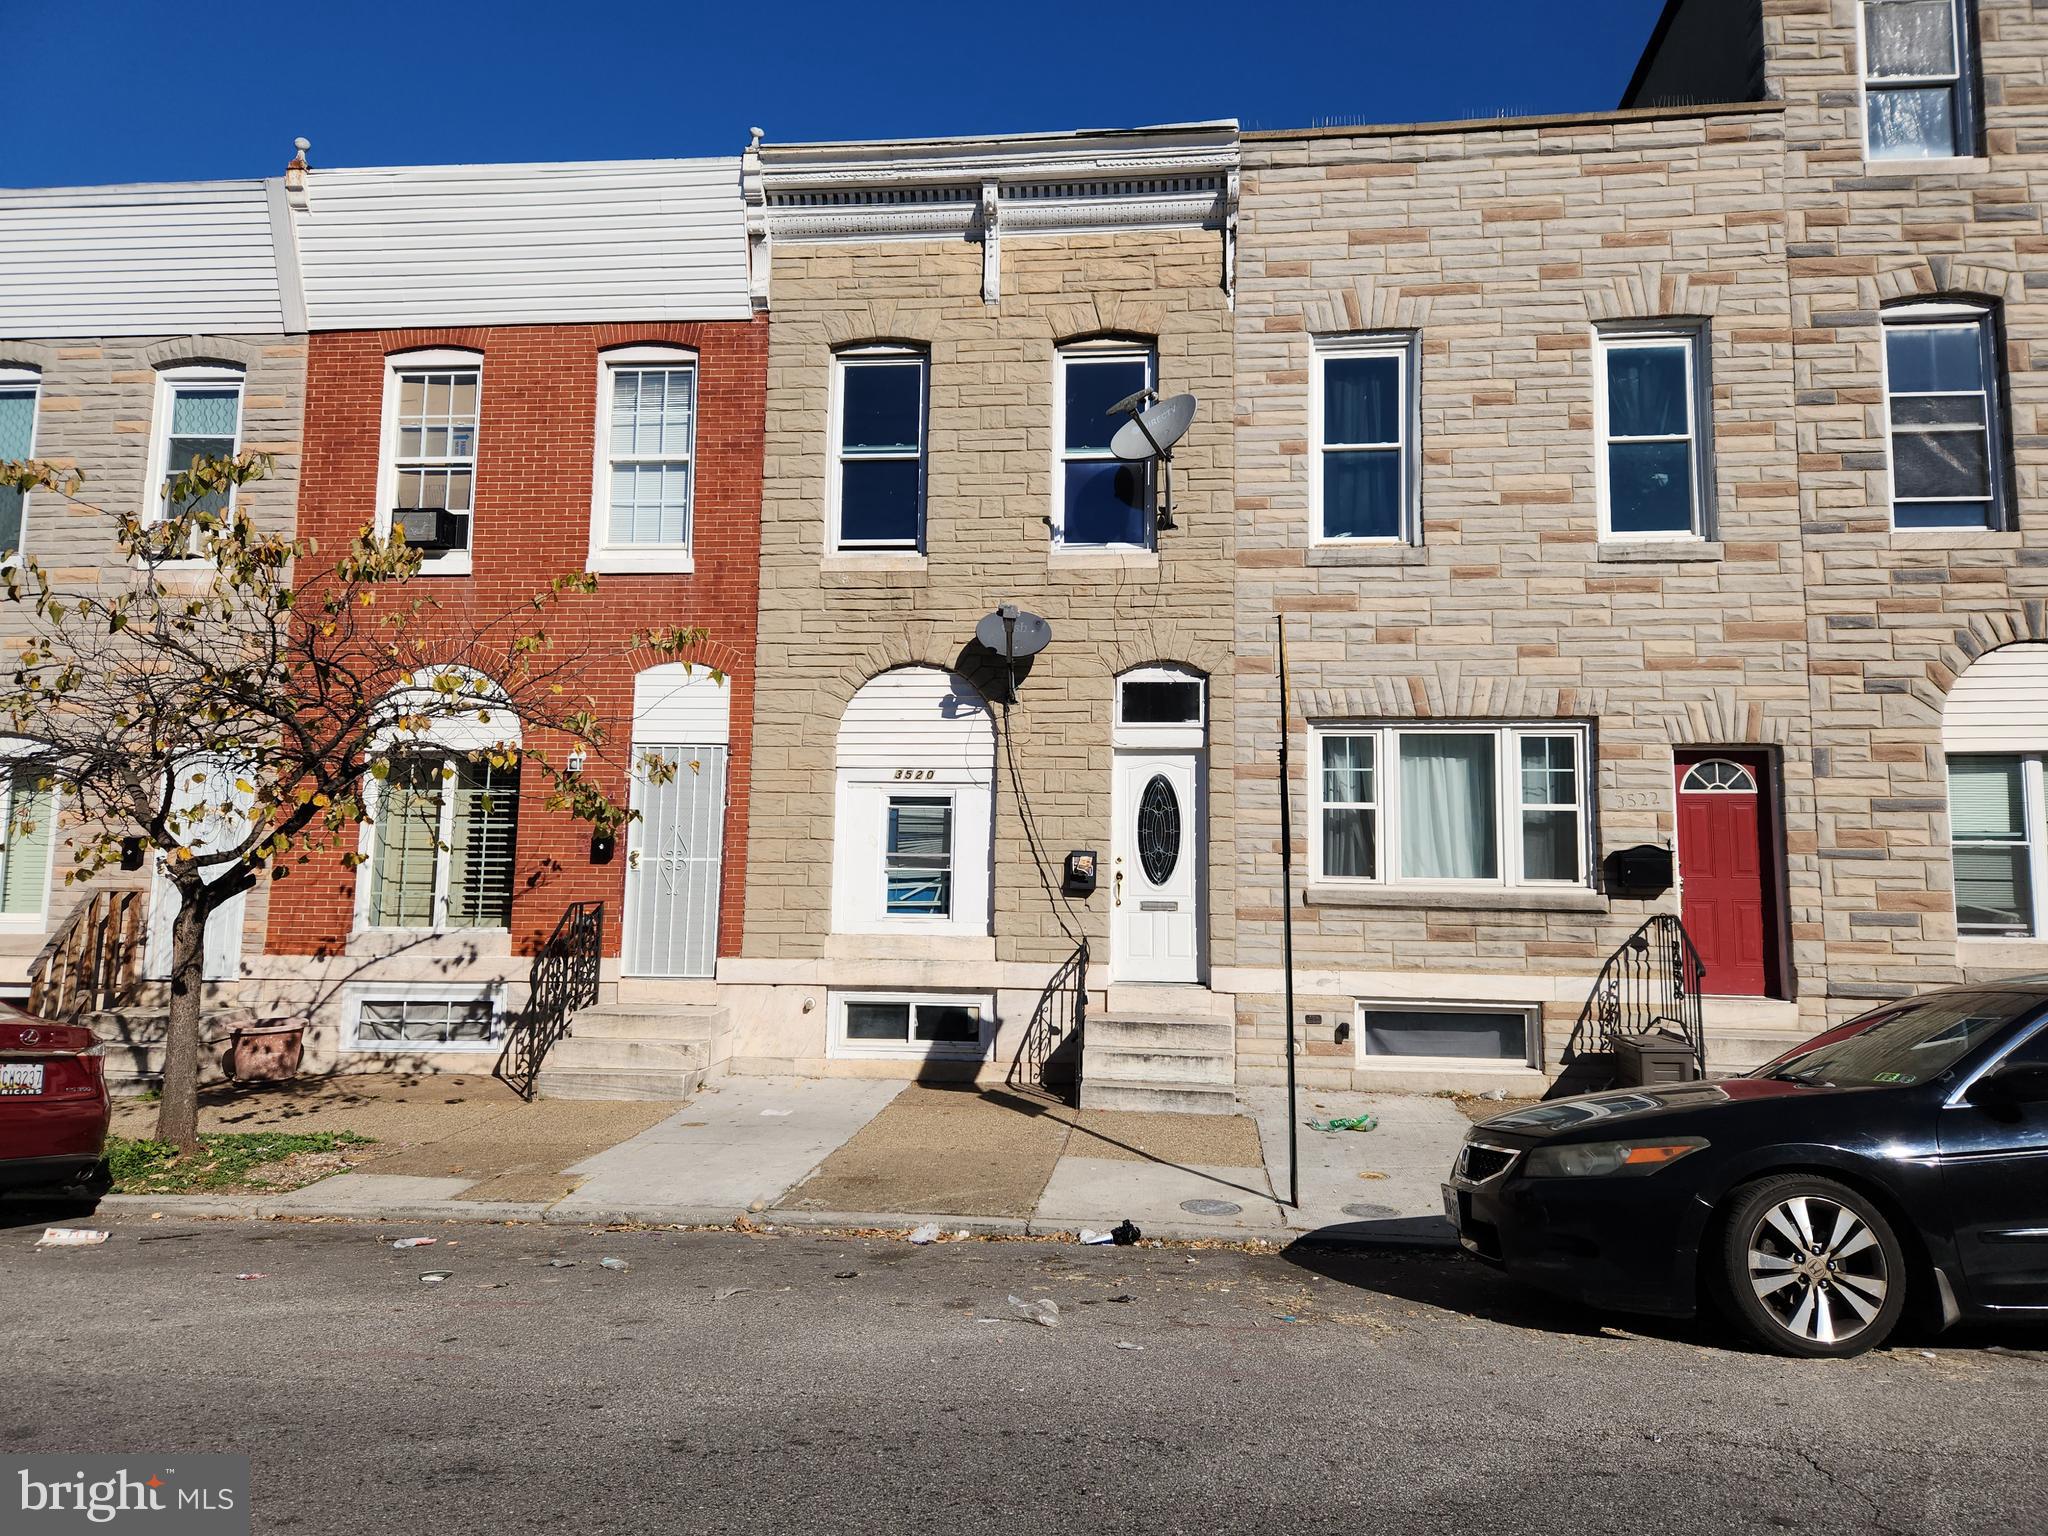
140,90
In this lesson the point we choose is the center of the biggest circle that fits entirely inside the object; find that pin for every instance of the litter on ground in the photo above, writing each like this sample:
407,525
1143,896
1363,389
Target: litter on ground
416,1242
928,1233
70,1237
1345,1123
1045,1311
1096,1239
613,1264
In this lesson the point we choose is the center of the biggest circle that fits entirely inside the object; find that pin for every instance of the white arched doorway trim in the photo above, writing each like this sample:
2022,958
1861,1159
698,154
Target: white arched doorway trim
1994,730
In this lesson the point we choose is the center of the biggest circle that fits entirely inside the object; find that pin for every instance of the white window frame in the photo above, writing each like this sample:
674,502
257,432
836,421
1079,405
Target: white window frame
14,378
2034,823
841,1048
1697,437
1095,351
1962,82
352,1005
453,562
915,792
1936,315
1160,735
444,758
672,558
1532,1034
169,381
39,920
1508,806
1402,347
877,355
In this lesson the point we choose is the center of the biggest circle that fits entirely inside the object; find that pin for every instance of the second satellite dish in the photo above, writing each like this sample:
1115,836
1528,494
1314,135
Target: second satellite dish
1151,433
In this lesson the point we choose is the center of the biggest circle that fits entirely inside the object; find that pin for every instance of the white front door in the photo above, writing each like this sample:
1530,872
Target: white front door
674,861
1155,868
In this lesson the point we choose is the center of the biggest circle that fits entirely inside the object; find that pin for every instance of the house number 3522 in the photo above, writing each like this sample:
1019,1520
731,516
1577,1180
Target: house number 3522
915,773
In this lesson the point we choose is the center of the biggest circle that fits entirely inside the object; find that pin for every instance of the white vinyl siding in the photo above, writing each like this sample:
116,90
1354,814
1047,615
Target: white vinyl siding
1449,806
1994,728
1918,100
2000,703
917,1025
182,259
442,845
390,247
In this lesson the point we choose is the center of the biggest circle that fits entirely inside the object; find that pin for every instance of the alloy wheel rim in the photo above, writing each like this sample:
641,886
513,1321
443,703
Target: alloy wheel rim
1818,1269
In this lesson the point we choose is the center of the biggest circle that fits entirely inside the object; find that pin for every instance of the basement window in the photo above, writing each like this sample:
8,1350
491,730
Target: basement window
423,1021
913,1024
1458,1032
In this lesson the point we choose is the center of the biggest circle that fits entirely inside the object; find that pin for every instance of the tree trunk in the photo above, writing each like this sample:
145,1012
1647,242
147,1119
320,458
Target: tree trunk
177,1119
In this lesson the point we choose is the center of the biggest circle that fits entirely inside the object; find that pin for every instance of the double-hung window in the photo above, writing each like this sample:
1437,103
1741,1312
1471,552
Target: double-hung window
1919,101
1362,404
1654,468
917,857
441,852
1468,805
1942,374
17,445
913,1024
647,415
1999,839
878,450
28,811
1099,500
431,414
198,416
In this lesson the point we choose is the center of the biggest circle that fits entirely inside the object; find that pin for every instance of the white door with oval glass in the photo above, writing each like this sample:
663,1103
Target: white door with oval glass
1155,871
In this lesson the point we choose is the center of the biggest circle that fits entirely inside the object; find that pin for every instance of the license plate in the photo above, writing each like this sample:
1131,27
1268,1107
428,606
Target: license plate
1451,1204
21,1077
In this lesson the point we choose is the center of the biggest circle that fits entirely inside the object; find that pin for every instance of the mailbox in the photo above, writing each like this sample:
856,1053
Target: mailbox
1080,874
1644,870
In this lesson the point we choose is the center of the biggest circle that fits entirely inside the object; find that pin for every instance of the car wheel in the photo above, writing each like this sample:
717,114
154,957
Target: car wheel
1810,1267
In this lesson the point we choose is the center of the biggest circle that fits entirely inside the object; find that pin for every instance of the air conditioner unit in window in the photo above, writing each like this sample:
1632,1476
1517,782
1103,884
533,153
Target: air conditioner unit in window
432,530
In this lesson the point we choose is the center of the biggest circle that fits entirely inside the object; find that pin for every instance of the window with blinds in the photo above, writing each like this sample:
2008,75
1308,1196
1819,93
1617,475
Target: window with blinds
17,444
444,844
28,812
1999,843
199,414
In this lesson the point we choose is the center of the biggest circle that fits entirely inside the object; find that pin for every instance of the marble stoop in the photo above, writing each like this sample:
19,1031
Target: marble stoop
1138,1061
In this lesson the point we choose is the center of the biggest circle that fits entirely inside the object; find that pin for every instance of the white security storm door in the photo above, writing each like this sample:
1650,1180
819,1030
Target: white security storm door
1156,868
674,858
210,794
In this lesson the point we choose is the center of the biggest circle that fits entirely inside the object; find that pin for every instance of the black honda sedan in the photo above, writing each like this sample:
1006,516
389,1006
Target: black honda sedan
1902,1157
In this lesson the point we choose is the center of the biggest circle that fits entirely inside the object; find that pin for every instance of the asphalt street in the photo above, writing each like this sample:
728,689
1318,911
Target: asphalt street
807,1383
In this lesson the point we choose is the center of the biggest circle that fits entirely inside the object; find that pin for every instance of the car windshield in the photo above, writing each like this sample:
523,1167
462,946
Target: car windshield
1897,1047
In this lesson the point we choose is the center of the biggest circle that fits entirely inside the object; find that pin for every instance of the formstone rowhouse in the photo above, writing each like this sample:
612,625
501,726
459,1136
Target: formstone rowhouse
1662,479
539,370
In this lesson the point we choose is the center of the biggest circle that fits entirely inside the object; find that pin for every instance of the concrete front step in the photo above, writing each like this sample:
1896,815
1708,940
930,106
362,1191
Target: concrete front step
1166,1000
1181,1098
649,1021
1119,1031
641,1085
1730,1052
1145,1066
637,1051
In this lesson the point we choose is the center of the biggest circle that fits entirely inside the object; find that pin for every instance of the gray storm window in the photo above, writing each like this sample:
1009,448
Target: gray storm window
1918,102
1942,406
1482,1034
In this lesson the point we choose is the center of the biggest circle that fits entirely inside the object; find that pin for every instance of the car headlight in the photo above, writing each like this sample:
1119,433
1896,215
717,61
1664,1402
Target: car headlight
1596,1159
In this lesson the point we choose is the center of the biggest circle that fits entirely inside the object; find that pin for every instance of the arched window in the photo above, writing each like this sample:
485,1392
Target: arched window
916,771
1994,729
1718,776
440,842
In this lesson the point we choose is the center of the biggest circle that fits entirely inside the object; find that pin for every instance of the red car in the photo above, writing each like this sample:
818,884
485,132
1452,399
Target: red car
53,1104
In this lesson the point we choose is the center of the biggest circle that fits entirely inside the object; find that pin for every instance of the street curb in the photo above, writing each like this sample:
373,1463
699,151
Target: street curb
266,1208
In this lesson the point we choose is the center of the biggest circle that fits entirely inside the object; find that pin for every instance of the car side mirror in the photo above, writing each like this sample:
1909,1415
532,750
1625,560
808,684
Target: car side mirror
2011,1087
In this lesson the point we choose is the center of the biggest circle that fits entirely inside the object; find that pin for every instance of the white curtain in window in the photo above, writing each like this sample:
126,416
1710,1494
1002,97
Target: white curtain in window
1448,808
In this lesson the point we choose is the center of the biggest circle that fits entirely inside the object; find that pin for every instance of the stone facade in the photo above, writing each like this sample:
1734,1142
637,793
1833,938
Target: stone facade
94,415
831,622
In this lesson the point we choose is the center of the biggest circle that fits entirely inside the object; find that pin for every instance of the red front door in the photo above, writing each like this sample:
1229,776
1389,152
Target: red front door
1723,873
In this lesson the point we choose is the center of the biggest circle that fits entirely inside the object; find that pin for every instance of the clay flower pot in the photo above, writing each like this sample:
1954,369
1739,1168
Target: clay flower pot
267,1053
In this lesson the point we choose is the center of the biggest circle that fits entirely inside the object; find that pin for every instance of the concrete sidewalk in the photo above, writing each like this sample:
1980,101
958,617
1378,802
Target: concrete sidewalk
850,1152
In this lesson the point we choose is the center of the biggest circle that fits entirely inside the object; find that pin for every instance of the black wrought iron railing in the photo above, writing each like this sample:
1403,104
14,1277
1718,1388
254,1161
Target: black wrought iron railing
563,979
1650,985
1049,1055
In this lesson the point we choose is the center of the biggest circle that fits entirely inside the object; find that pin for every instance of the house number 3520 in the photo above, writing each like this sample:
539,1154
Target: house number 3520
915,773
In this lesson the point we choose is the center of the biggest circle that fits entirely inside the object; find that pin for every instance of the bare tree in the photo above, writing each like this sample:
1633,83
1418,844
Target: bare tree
222,699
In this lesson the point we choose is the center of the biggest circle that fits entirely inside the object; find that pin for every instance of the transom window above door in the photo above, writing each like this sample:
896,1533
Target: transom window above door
1718,776
878,450
1451,805
645,485
1099,501
1654,472
1362,407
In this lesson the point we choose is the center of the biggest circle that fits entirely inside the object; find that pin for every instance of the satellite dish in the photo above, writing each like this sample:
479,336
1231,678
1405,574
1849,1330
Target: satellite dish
1152,432
1012,634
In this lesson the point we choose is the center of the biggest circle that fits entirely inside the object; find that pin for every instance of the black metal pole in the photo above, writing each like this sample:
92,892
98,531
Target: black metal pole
1287,918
